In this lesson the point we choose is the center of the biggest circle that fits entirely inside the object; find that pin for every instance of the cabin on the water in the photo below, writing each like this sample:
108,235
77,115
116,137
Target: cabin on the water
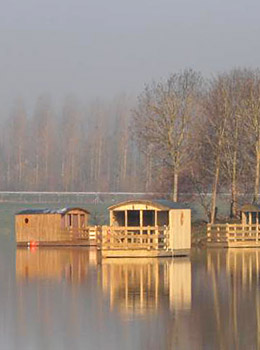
65,226
147,228
243,234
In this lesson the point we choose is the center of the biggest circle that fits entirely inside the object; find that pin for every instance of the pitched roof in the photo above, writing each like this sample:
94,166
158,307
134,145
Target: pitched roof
61,211
251,207
159,203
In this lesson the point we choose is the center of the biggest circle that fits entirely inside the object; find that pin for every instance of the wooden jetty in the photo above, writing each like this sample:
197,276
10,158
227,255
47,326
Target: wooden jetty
147,228
50,227
238,235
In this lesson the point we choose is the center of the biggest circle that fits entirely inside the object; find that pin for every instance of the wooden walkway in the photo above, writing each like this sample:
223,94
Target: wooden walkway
88,236
233,235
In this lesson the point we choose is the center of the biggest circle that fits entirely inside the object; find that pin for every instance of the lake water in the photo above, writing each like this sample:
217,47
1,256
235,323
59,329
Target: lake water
70,299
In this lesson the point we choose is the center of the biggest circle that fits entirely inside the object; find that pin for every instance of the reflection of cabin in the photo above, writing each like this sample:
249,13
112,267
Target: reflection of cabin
143,285
54,264
244,234
147,228
52,226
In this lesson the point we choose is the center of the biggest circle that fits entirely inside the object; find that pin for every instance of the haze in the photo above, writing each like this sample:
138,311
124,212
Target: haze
102,48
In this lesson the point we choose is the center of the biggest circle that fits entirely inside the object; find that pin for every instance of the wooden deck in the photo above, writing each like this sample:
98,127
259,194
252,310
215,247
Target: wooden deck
152,241
89,236
233,235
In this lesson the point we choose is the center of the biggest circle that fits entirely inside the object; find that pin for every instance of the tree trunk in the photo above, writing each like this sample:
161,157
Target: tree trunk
214,191
255,200
175,187
233,204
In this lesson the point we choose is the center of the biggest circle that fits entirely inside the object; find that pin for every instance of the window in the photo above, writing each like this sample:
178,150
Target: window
69,220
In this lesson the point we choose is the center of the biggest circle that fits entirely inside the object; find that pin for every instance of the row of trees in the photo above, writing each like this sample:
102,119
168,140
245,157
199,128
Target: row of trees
75,148
184,134
204,132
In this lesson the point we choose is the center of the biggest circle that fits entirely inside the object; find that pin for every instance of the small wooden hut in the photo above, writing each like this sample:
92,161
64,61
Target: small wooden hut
243,234
66,226
250,214
147,228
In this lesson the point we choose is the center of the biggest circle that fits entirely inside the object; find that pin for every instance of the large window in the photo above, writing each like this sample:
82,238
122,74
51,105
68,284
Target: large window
133,218
163,218
119,218
148,218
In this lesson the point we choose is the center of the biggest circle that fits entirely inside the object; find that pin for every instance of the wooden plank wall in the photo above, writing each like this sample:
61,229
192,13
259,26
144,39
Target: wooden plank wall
40,227
180,228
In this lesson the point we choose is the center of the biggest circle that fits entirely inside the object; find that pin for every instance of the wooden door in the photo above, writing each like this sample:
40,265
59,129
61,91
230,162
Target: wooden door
75,221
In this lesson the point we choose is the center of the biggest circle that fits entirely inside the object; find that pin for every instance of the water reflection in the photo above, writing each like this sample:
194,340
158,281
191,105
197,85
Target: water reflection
144,285
211,301
55,263
234,274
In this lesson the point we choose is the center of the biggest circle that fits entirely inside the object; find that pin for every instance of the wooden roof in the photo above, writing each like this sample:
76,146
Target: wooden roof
62,211
162,204
251,208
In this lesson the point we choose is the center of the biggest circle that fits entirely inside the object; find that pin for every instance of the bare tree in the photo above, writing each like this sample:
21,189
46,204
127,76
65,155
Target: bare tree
218,111
163,120
233,158
251,117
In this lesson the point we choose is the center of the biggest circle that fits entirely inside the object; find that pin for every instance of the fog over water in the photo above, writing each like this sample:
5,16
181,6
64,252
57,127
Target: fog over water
102,48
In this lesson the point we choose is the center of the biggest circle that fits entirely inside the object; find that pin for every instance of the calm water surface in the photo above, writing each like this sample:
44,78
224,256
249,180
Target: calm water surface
69,299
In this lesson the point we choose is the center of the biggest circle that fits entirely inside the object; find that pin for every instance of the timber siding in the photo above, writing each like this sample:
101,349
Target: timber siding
147,228
66,226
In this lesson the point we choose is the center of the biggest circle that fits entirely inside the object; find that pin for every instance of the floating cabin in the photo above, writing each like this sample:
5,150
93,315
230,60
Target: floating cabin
66,226
245,234
147,228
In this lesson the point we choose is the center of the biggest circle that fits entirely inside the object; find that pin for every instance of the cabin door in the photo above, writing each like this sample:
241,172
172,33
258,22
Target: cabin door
75,221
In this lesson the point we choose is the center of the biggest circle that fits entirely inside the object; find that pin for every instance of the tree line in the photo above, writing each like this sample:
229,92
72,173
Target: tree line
72,148
183,134
204,133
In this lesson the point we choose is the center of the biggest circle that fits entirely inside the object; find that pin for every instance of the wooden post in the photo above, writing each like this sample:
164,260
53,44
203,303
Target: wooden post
250,224
208,232
126,224
257,225
111,218
227,232
141,225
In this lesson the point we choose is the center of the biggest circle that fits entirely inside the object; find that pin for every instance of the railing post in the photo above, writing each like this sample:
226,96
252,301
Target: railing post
227,232
208,232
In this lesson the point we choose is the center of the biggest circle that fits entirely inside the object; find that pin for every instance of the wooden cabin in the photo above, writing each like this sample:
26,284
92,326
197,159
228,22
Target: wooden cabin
66,226
147,228
243,234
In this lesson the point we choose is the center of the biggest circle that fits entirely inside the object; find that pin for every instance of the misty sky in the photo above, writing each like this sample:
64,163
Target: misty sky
104,47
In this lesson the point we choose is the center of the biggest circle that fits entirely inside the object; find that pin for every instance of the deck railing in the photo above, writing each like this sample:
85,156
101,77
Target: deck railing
146,237
221,233
89,233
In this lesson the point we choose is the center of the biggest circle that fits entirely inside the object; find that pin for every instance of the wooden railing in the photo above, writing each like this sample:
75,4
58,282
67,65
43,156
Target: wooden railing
92,234
221,233
149,237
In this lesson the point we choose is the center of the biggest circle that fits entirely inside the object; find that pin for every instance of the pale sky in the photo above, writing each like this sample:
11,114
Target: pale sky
104,47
